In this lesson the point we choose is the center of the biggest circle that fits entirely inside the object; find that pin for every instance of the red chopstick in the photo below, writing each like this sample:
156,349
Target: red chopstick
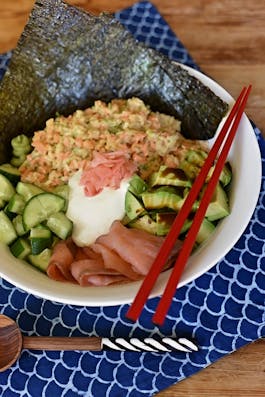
149,281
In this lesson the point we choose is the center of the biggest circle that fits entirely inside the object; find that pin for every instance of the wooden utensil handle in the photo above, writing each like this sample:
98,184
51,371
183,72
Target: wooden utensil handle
61,343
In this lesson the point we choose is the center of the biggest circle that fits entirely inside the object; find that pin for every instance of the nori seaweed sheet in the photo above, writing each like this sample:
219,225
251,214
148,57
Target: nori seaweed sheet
67,58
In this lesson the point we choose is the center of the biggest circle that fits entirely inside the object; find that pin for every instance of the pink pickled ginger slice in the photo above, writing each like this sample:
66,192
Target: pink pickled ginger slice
106,170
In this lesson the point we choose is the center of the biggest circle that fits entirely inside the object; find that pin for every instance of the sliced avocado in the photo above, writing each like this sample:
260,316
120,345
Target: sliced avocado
205,231
225,177
169,176
165,221
178,190
133,206
218,207
196,157
161,199
145,223
195,205
137,185
193,162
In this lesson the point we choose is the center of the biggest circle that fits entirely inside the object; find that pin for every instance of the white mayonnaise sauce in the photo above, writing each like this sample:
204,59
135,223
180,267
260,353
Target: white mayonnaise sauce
93,216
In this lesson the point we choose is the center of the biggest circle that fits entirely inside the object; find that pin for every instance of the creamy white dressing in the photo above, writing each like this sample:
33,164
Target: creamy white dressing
93,216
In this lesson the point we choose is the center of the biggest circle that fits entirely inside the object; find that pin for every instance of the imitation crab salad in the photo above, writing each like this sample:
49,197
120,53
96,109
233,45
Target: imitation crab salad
90,198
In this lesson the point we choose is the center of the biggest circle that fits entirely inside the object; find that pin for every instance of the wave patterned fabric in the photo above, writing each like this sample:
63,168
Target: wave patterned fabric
223,309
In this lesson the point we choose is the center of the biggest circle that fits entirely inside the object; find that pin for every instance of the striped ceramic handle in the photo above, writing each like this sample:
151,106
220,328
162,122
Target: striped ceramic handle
164,344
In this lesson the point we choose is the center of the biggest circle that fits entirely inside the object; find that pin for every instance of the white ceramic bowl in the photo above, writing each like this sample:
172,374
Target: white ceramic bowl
246,163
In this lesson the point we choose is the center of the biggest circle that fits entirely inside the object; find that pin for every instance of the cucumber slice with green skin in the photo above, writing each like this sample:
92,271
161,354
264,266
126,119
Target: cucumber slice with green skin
18,225
2,203
10,172
16,204
20,248
60,225
11,215
18,161
40,238
41,261
27,190
6,188
7,231
40,207
63,191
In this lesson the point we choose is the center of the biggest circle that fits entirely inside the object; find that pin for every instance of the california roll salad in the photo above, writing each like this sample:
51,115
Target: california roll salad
90,198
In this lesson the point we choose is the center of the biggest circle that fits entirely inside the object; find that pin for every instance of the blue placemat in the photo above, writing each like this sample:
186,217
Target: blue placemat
224,309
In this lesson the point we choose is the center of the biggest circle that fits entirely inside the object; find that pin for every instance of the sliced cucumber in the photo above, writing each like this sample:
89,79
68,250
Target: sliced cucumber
40,207
27,190
63,191
16,204
41,261
60,225
6,188
18,161
2,203
19,226
10,172
20,248
40,238
11,215
7,231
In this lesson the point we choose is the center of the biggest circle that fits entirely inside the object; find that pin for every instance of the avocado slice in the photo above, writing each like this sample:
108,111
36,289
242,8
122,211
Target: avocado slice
161,199
206,229
169,176
192,163
133,206
137,185
145,223
218,207
225,177
165,220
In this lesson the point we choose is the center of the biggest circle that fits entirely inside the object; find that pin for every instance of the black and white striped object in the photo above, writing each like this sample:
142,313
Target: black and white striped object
164,344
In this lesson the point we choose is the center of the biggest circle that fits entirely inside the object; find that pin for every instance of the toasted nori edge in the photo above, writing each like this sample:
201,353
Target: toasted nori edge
67,58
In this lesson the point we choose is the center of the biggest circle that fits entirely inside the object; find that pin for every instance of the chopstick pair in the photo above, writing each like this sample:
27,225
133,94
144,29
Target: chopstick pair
229,129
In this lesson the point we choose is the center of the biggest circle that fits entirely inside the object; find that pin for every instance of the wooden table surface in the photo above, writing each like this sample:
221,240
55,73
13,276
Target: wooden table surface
227,39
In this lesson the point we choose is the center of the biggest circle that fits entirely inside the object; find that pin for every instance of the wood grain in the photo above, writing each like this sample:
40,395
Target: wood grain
227,39
10,342
62,343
